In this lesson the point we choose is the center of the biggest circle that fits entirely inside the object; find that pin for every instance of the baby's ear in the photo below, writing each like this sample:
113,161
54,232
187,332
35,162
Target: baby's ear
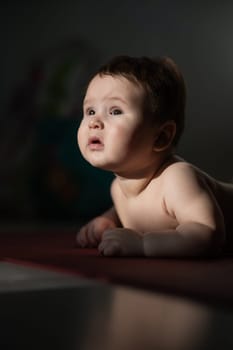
164,136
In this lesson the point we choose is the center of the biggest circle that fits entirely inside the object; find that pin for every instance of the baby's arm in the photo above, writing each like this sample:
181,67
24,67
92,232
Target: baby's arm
187,240
201,229
90,235
190,240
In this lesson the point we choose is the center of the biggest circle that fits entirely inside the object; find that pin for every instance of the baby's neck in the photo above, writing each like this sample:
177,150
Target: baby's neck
134,183
132,187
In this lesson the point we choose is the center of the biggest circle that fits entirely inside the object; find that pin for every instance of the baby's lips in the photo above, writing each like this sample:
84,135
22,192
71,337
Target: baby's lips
94,140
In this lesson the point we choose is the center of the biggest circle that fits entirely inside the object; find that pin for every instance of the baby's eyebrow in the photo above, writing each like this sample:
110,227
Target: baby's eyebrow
112,98
86,101
117,98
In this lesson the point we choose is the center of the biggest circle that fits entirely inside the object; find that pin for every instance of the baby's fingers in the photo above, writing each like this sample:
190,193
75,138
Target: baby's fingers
112,234
86,237
109,247
81,239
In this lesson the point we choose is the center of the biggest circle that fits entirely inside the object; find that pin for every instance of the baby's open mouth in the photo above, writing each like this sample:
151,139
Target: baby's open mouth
94,140
95,143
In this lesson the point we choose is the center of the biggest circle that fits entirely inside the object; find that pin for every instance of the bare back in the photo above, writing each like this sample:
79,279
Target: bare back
224,196
223,193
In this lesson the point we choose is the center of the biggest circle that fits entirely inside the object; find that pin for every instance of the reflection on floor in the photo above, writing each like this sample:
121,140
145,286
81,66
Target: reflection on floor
42,309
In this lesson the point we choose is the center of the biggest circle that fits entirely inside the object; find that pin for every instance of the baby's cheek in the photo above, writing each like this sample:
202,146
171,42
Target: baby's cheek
80,132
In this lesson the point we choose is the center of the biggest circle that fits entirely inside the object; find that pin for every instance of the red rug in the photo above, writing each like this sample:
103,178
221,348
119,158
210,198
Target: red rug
210,279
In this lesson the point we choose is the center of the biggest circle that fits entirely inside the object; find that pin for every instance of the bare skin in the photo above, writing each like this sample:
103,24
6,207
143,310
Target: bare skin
162,205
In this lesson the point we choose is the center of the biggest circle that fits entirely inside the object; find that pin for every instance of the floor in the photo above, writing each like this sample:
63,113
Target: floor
55,296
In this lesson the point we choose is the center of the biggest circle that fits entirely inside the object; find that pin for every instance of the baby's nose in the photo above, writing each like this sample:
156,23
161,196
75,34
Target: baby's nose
96,123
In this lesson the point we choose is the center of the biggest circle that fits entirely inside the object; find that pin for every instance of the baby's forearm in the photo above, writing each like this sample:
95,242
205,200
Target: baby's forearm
187,240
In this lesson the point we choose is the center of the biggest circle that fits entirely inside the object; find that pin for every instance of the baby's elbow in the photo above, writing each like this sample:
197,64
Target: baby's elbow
215,238
204,240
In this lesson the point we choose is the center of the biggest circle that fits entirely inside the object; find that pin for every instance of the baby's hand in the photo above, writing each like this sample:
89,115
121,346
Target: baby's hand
90,235
121,242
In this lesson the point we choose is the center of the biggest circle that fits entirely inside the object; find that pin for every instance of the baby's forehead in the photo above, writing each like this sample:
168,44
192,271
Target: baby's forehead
107,83
101,78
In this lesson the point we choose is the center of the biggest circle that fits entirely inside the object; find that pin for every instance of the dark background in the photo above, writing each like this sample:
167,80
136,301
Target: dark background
48,49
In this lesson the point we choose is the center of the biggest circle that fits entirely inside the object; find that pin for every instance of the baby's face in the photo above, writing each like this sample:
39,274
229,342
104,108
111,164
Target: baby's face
114,133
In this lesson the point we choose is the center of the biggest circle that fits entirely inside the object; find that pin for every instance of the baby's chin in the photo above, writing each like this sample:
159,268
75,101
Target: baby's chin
98,160
104,165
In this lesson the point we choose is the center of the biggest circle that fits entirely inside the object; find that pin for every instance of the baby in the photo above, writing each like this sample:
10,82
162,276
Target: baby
133,117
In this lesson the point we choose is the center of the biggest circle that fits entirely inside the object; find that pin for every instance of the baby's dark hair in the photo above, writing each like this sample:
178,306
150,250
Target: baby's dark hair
163,83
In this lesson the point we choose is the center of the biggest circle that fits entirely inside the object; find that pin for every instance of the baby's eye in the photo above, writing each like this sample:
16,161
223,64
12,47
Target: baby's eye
90,111
115,111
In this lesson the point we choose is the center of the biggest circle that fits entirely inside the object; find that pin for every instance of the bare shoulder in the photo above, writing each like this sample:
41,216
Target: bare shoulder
182,180
183,173
178,167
